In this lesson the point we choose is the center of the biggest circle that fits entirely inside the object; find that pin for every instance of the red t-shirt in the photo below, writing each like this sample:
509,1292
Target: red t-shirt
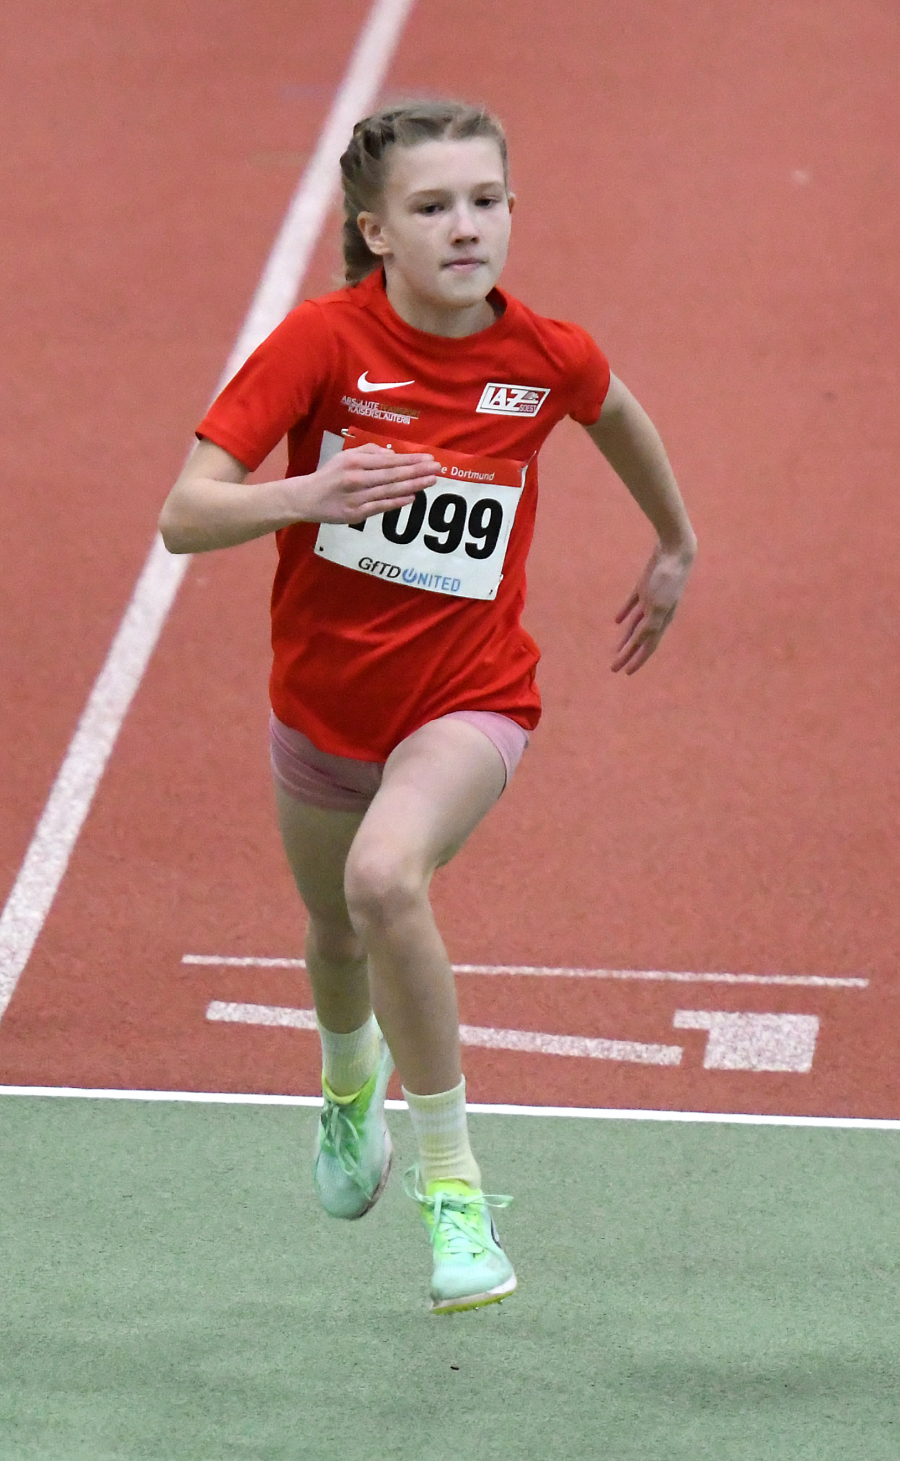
361,659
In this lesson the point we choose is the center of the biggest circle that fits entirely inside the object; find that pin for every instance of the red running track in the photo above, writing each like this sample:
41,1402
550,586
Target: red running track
715,195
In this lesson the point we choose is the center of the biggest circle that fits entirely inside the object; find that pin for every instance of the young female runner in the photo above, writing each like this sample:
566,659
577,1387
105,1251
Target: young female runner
414,401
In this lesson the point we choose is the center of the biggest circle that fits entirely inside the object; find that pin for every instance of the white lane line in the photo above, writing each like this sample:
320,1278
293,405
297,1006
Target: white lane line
261,1014
529,1041
239,962
300,231
632,1051
475,1108
677,976
72,793
545,971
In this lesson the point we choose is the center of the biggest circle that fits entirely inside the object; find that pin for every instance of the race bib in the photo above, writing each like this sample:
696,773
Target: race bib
452,538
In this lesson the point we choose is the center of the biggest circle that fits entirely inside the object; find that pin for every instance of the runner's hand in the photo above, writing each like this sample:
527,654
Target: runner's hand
649,610
363,481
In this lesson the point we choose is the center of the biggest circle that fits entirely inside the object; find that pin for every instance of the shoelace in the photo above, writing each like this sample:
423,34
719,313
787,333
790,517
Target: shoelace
340,1137
456,1219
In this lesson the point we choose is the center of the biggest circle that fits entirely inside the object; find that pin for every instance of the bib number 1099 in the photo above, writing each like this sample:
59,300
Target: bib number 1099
450,518
451,539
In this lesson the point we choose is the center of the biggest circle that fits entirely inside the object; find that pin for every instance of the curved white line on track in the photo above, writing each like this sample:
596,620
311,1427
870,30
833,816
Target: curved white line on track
72,793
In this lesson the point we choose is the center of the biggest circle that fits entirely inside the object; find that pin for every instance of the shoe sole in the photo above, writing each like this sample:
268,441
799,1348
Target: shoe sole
474,1301
382,1181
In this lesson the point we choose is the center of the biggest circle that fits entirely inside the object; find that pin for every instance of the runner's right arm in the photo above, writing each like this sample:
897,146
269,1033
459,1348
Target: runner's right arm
211,505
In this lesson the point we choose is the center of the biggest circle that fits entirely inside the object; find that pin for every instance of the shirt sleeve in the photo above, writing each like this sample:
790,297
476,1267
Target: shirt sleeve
590,381
276,387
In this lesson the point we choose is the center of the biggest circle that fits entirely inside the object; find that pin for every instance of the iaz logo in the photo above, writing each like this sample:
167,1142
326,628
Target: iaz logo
502,400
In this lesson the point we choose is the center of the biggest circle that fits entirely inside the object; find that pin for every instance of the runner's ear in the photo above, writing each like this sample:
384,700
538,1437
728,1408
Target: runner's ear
370,227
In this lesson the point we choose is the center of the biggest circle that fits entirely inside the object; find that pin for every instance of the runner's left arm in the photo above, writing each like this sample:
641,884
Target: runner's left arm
631,444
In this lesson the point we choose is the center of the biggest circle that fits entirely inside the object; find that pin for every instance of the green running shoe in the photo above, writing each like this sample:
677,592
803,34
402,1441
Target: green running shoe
353,1146
470,1267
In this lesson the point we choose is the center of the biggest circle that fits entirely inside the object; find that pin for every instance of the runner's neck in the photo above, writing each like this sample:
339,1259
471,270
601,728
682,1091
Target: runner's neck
434,319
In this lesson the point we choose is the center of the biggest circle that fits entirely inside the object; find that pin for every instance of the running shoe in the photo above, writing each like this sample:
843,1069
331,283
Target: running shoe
470,1267
353,1145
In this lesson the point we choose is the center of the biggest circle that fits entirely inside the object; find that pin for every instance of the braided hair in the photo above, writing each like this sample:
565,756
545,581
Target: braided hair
365,162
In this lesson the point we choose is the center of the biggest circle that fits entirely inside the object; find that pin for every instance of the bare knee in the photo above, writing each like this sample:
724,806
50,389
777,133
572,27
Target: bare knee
382,888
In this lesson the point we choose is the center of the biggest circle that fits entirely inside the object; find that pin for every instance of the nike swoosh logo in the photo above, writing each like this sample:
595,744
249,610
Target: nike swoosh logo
364,384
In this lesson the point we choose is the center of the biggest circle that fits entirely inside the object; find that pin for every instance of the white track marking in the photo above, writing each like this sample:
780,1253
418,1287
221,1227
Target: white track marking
223,1098
547,971
89,750
475,1108
536,1044
236,962
261,1014
678,976
530,1041
300,231
752,1041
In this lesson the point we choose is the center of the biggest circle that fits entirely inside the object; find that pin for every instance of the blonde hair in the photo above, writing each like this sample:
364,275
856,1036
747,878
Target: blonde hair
364,164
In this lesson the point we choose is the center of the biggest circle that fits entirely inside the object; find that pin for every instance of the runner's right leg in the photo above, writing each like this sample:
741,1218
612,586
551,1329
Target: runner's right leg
316,843
353,1148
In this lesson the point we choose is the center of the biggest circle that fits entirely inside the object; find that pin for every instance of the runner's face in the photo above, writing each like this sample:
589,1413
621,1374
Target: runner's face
444,221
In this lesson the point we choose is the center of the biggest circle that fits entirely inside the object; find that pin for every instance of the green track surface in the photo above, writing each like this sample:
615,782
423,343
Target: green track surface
171,1293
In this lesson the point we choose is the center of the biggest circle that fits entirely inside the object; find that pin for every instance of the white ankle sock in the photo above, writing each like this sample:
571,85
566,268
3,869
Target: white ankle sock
348,1060
439,1122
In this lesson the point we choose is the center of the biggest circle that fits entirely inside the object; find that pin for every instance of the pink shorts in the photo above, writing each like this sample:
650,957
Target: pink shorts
343,784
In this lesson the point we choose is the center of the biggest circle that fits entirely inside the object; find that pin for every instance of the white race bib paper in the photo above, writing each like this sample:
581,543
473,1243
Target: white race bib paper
452,538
